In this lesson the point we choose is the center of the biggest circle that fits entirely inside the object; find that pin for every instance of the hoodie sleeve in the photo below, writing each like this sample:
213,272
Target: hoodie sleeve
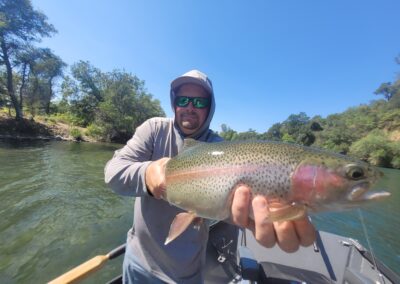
125,172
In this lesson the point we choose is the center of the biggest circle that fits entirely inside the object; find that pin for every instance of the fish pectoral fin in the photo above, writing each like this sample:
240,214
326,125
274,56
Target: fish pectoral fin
286,212
180,223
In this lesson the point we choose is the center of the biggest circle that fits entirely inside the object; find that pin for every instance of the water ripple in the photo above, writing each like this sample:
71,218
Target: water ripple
57,212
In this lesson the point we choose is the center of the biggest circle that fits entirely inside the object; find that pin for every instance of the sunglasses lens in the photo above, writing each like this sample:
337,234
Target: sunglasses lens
200,102
181,101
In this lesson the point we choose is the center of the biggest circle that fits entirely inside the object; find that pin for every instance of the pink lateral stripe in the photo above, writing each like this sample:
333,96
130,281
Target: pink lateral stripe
198,173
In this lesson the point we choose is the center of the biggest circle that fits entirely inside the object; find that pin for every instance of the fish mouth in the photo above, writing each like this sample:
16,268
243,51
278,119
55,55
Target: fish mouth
361,192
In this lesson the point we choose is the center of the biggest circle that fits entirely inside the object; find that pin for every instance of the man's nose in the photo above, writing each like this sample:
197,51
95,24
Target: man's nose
190,106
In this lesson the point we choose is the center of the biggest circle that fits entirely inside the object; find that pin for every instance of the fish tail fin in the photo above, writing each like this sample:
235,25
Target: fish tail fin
180,223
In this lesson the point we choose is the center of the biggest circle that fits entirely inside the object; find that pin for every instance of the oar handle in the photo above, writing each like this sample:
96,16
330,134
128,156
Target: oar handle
82,270
88,267
116,252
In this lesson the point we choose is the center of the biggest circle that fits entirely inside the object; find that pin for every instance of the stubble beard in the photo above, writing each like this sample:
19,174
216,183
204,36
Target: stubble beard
190,120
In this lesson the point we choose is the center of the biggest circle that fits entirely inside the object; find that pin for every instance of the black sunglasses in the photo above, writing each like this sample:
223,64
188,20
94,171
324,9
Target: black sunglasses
197,102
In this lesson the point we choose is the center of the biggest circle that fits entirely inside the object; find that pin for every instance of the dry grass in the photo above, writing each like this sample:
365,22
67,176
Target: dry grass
394,135
38,128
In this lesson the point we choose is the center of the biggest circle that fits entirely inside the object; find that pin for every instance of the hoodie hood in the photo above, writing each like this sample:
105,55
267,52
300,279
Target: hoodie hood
201,79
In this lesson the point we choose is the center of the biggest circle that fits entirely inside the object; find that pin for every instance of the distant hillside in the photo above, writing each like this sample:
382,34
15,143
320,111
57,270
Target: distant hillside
370,132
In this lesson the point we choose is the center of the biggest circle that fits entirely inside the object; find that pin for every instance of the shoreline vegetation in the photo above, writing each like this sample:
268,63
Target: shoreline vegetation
40,99
370,132
41,128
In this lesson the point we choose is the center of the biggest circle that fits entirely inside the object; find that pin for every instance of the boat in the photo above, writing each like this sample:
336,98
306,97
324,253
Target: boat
331,259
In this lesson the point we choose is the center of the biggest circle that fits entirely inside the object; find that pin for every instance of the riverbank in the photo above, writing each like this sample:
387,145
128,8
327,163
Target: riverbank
40,129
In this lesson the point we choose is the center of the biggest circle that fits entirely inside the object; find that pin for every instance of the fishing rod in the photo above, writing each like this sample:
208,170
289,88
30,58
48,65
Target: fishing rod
379,274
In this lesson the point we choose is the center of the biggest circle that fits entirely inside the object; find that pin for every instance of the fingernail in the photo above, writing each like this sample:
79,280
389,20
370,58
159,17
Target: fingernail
259,202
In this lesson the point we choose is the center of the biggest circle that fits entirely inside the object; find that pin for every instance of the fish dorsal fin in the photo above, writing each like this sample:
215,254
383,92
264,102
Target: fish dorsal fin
189,142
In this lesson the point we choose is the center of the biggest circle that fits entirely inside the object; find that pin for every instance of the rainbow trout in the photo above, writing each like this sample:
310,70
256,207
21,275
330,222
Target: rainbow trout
202,179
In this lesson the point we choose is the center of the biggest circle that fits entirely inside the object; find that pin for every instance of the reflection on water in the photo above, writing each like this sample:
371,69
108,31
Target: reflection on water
57,212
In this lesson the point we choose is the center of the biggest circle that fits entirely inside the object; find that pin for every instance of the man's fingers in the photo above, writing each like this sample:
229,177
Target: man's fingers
286,235
264,230
240,206
305,230
292,234
155,177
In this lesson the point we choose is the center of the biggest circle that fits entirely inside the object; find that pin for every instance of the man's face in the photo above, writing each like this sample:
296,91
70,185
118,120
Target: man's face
189,118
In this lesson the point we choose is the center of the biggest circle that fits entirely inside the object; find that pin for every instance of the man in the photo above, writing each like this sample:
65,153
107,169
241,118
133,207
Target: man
139,170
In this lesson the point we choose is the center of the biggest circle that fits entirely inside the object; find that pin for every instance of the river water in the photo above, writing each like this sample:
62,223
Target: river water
56,212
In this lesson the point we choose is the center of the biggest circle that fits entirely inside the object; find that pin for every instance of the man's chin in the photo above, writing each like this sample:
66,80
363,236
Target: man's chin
188,129
189,126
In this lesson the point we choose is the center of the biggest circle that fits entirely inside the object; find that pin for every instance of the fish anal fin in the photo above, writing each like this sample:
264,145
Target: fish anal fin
180,223
286,212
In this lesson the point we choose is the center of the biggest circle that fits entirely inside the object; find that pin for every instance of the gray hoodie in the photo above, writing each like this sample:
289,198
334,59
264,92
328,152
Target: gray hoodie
182,260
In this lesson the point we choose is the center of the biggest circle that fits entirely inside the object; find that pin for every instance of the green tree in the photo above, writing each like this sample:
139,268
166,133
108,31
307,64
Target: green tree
227,133
288,138
38,72
274,132
85,90
295,123
126,104
391,91
377,149
89,78
250,134
25,59
316,123
69,91
47,69
111,104
306,138
297,127
20,25
387,90
336,136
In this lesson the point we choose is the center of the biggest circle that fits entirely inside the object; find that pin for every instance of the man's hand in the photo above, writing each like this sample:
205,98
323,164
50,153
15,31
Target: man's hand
155,177
288,234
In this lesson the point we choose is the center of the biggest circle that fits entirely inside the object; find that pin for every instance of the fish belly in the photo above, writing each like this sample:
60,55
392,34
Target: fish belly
208,197
209,192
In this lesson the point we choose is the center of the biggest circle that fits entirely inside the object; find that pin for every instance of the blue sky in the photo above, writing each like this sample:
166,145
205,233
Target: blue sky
267,59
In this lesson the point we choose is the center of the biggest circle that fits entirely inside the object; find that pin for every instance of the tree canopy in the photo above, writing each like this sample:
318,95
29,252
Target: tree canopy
391,90
112,104
20,26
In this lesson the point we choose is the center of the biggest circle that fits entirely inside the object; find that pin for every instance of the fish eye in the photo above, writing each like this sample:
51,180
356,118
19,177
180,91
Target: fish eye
355,172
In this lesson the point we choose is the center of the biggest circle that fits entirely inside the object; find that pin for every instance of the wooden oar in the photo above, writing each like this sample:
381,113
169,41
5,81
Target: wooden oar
88,267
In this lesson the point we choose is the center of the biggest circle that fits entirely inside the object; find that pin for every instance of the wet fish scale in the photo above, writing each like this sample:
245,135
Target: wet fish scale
210,185
202,178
